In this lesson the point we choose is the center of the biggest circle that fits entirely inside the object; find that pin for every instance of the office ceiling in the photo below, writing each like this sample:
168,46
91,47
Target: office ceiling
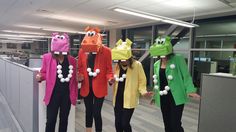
44,16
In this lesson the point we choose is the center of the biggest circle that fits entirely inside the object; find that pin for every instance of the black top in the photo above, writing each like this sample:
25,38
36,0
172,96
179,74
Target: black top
163,80
163,83
120,90
91,61
59,86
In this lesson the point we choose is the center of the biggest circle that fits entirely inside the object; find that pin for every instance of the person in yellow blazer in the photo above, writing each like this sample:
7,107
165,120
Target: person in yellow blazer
130,83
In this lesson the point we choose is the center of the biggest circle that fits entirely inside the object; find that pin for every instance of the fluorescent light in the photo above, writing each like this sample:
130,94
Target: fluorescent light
52,29
29,26
23,36
63,30
15,38
15,41
22,32
155,17
72,19
184,24
137,14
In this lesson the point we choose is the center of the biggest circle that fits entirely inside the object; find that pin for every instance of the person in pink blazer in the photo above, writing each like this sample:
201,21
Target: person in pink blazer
59,71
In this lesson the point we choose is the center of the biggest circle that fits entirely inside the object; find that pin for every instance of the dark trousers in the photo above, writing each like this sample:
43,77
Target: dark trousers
171,114
122,119
93,107
59,101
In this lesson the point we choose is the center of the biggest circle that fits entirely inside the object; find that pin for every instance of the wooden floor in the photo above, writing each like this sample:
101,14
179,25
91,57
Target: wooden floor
146,118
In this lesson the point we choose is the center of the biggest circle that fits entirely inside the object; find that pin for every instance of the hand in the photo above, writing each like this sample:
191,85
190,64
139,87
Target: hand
194,95
80,77
39,77
111,81
148,94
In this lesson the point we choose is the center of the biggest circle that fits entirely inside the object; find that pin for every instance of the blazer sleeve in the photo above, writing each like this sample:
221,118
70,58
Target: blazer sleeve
142,81
80,64
43,69
155,73
109,71
187,79
75,83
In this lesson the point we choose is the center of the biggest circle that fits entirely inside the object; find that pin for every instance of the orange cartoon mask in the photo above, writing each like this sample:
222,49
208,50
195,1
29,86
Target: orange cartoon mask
92,40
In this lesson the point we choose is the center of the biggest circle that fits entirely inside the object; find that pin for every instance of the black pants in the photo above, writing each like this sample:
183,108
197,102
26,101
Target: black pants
122,119
171,114
93,107
59,101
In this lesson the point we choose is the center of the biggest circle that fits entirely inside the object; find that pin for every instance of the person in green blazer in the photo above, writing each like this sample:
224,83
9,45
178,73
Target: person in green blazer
172,84
130,83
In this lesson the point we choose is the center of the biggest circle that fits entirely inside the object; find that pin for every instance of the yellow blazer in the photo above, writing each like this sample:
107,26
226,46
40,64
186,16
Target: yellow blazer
135,85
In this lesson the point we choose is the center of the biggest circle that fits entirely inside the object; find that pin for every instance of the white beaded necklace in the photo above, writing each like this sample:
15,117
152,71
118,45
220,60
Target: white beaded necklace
94,74
60,76
167,88
120,79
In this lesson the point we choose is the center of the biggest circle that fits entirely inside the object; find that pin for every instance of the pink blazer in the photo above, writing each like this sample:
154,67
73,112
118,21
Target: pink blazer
49,73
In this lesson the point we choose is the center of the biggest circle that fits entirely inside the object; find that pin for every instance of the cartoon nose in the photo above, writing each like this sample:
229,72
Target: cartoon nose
54,39
84,41
93,42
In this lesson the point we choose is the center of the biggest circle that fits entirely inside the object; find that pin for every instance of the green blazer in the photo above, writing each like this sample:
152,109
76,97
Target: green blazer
180,85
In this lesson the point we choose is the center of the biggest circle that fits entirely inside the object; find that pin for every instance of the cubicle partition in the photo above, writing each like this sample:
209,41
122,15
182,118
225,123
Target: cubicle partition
20,89
217,107
24,96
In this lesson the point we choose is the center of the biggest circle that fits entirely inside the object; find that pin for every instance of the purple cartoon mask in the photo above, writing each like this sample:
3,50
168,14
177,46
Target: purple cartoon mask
60,43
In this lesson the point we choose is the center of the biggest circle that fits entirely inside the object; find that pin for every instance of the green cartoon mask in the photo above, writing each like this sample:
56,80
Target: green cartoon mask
161,47
122,50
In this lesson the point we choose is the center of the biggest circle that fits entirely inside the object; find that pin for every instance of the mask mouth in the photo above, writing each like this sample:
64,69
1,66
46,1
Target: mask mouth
58,53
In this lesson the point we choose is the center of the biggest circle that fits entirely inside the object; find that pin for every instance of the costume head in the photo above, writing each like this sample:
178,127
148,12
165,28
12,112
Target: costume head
122,50
60,43
92,40
161,47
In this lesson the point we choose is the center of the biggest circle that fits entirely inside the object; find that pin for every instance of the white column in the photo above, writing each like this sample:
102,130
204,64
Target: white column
114,36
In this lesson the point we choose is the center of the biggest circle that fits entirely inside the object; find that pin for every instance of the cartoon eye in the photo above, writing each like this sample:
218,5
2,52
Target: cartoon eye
62,37
158,41
88,33
163,40
57,36
93,33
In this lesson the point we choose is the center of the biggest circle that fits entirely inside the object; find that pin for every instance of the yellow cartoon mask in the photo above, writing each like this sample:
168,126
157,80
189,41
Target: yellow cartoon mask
122,50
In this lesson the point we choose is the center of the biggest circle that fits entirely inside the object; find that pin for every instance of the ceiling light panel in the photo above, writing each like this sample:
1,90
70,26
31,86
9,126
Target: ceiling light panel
22,32
135,13
154,17
73,19
23,36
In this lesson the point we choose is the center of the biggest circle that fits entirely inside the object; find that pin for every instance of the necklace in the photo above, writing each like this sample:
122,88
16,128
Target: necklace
120,79
166,88
60,76
94,74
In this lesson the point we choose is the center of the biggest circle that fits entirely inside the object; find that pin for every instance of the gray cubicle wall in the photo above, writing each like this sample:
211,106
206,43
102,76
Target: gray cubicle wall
20,89
218,104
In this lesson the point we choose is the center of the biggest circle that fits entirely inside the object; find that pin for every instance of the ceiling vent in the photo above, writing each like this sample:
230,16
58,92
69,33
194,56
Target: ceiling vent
112,22
44,11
